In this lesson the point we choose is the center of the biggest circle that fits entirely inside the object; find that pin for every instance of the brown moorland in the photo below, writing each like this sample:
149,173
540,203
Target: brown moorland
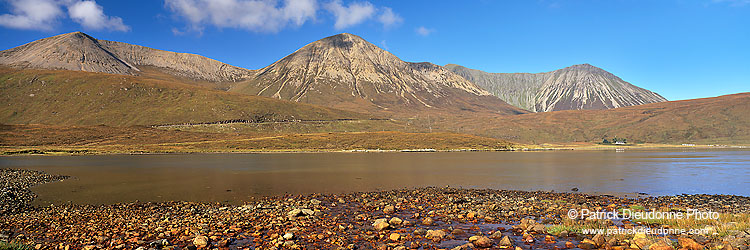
716,120
24,139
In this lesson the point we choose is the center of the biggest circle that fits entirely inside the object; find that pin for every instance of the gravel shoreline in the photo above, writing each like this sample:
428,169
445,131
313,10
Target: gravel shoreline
15,195
421,218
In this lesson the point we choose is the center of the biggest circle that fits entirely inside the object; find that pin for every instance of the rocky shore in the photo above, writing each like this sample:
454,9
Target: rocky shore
423,218
15,195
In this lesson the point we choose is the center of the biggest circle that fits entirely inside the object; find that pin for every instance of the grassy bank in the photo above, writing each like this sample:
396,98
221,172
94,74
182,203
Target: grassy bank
264,137
40,139
14,246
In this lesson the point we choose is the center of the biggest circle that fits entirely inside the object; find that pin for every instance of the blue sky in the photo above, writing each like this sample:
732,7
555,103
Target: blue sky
681,49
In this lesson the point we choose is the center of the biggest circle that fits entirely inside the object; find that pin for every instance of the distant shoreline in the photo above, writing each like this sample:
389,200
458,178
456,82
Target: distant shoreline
69,151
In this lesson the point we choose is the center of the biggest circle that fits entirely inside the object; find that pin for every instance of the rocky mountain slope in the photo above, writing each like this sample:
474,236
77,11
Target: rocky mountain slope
345,71
573,88
81,52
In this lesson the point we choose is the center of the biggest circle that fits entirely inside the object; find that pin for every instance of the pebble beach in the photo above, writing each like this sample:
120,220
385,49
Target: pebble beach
420,218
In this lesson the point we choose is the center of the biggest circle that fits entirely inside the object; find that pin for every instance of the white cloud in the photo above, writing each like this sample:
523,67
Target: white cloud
300,10
347,16
422,31
274,15
32,14
253,15
43,14
178,32
388,18
91,16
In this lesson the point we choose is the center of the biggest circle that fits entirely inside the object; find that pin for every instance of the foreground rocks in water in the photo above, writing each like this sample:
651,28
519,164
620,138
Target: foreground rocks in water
690,244
435,235
428,221
599,240
394,237
200,241
505,242
380,224
423,218
480,241
15,195
395,221
389,209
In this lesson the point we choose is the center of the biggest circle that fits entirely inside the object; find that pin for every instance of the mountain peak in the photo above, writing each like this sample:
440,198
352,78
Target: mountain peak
80,52
74,33
348,72
581,86
587,68
344,36
346,47
341,41
72,36
70,51
584,67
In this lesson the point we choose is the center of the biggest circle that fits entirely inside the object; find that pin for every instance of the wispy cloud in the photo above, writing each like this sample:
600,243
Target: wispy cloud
388,18
91,16
44,14
422,31
259,16
353,14
178,32
359,12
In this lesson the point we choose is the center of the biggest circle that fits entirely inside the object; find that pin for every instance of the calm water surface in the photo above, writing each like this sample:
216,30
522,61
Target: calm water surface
238,177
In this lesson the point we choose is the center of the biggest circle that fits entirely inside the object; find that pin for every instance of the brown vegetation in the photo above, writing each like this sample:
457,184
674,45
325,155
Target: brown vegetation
717,120
104,139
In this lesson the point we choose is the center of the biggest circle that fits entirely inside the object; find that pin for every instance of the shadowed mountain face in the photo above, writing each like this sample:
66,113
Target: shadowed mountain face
80,52
576,87
345,71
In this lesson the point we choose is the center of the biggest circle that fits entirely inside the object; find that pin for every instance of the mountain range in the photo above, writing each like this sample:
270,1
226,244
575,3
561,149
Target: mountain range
576,87
74,79
344,71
